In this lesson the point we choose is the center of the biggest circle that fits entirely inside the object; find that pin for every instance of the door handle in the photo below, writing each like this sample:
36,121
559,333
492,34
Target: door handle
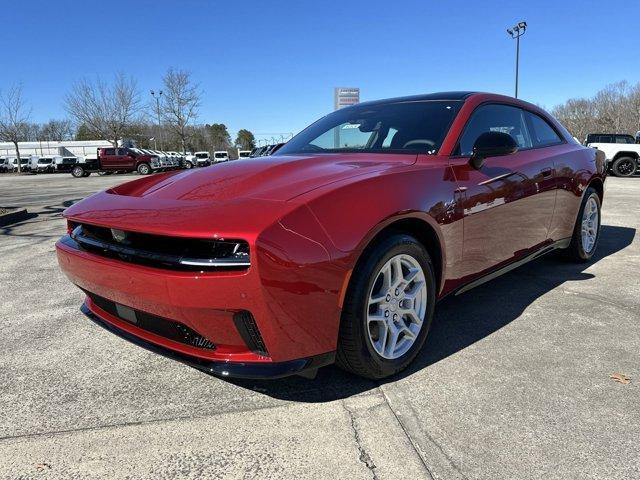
546,172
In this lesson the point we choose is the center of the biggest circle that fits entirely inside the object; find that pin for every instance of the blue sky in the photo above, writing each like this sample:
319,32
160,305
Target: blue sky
270,66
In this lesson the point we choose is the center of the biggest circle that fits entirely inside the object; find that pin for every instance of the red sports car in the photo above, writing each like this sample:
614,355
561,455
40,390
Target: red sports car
336,248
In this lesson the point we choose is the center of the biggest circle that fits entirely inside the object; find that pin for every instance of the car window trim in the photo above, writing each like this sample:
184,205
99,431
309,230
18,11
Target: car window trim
494,102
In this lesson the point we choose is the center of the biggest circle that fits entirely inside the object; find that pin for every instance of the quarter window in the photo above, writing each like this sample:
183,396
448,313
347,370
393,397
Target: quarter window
542,134
495,118
109,151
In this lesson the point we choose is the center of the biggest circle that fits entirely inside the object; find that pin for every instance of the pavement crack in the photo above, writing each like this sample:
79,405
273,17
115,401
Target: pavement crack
415,446
364,457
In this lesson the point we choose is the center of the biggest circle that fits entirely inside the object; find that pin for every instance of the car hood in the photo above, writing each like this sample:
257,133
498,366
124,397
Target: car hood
225,199
279,178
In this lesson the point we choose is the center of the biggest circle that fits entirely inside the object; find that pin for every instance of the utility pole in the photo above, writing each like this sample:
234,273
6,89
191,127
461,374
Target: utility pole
153,94
516,32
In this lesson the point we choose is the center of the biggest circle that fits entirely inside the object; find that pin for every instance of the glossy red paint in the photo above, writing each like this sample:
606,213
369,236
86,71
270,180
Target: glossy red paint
308,219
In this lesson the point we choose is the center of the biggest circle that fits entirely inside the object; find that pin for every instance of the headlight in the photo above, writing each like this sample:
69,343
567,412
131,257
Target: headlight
224,253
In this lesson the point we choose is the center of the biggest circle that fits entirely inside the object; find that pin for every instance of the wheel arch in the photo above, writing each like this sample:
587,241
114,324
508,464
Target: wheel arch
630,154
598,185
422,227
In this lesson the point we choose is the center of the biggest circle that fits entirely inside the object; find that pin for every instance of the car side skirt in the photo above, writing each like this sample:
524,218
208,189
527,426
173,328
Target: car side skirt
559,244
247,370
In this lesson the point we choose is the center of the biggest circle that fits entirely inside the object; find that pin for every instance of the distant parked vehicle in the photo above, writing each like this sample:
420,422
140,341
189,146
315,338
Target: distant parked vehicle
65,164
220,156
621,150
242,154
202,159
118,159
43,164
188,160
11,163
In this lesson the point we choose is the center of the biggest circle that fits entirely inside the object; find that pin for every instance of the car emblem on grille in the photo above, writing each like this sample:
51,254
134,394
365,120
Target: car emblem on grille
118,235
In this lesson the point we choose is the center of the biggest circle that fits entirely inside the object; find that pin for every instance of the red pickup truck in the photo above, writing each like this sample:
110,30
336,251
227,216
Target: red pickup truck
117,160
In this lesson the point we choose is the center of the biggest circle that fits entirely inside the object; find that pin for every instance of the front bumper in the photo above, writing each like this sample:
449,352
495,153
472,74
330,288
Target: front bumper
247,370
295,311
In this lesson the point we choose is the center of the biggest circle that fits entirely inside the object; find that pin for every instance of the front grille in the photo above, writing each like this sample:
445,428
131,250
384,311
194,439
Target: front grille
248,330
162,251
170,329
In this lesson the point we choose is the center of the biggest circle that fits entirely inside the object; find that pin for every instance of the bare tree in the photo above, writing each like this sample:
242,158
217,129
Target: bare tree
106,110
14,118
180,103
614,109
56,130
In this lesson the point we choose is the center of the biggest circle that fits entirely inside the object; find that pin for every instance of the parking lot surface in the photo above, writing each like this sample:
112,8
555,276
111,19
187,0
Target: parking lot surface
513,382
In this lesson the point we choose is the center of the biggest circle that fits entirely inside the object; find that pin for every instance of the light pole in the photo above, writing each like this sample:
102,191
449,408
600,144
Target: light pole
153,94
516,32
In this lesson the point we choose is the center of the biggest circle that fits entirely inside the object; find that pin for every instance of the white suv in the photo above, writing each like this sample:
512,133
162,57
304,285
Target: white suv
220,156
621,150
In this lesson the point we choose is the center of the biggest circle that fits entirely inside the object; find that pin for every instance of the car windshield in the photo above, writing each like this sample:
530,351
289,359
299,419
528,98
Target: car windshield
401,127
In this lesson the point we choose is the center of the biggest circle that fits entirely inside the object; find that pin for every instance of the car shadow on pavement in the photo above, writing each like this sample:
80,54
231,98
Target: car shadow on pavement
459,321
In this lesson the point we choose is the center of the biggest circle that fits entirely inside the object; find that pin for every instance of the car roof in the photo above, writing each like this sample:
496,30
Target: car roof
461,95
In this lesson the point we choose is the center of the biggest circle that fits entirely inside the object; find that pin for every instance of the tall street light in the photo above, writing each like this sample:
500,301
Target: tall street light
516,32
153,94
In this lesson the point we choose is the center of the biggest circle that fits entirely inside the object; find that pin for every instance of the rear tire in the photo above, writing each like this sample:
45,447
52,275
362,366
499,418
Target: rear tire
369,344
624,167
144,169
586,232
188,165
77,171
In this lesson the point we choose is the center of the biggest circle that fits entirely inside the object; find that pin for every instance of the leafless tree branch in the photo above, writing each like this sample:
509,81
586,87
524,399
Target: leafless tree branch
106,109
14,118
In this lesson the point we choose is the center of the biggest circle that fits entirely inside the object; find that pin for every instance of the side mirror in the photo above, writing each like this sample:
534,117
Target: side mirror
492,144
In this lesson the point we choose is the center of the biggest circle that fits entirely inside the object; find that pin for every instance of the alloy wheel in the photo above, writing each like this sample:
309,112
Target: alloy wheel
590,223
396,307
626,167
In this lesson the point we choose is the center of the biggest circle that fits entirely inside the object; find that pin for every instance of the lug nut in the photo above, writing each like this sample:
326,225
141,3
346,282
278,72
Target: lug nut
388,297
397,292
395,317
386,314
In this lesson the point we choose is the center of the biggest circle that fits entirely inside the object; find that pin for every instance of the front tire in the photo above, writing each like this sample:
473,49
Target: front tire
624,167
586,232
388,308
144,169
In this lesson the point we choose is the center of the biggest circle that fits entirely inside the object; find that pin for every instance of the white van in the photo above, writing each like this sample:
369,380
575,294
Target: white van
202,159
242,154
220,156
46,164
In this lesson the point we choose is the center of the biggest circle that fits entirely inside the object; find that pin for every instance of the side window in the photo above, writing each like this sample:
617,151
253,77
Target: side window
495,118
389,138
542,134
109,151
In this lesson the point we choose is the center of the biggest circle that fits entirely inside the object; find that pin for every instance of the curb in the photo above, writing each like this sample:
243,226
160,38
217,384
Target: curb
14,216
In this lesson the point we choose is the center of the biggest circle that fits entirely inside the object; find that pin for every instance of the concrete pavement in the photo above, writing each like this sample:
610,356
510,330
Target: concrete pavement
513,382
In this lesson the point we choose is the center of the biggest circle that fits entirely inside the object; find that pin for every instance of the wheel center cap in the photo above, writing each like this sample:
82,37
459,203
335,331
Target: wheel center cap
393,304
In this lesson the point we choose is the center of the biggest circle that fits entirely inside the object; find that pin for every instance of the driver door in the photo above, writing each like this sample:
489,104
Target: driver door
508,202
